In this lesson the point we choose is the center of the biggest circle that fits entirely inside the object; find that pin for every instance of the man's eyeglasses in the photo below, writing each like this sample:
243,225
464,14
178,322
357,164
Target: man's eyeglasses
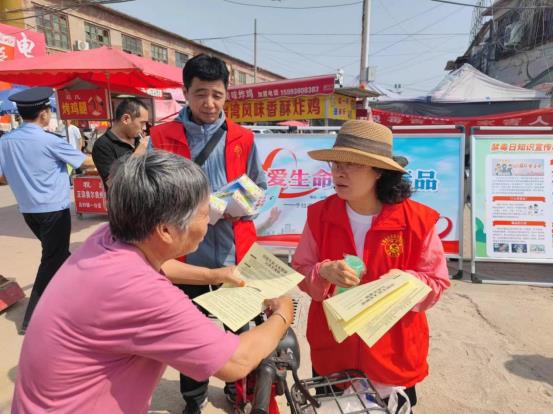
344,166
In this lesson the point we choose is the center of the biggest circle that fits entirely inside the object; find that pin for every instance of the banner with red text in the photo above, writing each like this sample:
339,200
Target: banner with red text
299,108
83,104
536,117
317,85
435,165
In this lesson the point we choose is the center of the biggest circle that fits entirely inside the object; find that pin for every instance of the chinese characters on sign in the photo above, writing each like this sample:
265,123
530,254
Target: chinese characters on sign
90,196
321,85
85,104
521,147
16,43
423,180
299,178
301,107
341,107
435,177
7,47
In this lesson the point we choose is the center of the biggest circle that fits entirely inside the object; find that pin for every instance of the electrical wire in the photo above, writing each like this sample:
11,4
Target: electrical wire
359,34
407,36
299,54
238,3
221,37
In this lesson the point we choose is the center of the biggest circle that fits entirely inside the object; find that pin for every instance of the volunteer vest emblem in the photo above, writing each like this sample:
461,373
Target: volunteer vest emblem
238,150
393,245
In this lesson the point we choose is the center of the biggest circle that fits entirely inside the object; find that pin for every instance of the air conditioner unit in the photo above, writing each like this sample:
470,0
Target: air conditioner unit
81,45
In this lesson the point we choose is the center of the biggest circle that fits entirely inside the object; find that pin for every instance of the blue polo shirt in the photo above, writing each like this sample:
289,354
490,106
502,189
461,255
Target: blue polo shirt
34,163
218,247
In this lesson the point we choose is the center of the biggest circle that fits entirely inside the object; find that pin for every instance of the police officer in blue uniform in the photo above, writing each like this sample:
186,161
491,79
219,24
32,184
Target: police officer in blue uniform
34,164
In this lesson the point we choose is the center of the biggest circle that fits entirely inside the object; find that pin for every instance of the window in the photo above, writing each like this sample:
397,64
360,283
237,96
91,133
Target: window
96,36
181,59
55,28
132,45
242,78
159,54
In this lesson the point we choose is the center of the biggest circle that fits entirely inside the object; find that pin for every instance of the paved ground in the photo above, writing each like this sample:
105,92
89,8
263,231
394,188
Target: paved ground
521,358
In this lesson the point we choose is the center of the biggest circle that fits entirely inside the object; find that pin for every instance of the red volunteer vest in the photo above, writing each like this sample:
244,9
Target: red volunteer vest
393,242
171,137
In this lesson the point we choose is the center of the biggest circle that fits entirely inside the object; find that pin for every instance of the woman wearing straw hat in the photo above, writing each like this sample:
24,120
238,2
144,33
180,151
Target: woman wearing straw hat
370,216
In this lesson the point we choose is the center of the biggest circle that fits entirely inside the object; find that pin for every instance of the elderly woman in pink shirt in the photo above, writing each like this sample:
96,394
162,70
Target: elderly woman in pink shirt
111,321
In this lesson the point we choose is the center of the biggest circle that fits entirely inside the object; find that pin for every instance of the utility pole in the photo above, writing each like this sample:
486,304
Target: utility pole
254,50
365,23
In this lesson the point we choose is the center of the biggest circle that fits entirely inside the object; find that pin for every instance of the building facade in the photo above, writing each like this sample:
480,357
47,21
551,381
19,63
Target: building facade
70,25
513,42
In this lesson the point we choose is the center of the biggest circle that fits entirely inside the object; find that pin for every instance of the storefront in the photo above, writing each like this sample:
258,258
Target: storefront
315,98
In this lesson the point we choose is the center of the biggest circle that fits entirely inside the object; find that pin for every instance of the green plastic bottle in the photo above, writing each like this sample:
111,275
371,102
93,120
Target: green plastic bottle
356,264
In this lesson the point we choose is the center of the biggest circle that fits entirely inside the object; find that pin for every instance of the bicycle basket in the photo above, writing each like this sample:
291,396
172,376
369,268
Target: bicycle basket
346,392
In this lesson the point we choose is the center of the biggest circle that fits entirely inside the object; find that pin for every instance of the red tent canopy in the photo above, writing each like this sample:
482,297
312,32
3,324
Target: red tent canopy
100,66
293,123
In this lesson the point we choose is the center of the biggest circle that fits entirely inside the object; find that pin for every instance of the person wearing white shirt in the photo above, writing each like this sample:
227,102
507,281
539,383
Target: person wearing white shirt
74,134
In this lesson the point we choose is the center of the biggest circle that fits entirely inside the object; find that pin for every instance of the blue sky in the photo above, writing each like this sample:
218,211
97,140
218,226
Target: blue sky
411,40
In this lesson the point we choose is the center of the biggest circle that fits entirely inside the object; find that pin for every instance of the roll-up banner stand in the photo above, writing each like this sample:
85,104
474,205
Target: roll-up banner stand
436,161
436,155
512,198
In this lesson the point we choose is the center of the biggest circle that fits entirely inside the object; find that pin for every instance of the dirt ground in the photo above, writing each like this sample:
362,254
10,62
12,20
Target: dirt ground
491,345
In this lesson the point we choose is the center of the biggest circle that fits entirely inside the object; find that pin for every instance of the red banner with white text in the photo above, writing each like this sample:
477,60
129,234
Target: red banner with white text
317,85
536,117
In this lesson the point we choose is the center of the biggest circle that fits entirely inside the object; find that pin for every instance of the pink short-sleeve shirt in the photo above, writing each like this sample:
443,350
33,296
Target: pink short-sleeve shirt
104,331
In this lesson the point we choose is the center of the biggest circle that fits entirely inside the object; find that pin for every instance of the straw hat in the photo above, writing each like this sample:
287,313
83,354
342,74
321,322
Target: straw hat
361,142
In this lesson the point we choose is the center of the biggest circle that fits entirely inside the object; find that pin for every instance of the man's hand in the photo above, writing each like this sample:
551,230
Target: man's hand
230,218
88,163
142,147
339,273
225,275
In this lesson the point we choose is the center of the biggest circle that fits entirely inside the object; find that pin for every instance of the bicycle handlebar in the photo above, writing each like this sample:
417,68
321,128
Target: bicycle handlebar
286,357
266,376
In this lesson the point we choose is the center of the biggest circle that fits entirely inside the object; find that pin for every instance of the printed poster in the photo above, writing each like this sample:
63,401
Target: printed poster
513,195
434,169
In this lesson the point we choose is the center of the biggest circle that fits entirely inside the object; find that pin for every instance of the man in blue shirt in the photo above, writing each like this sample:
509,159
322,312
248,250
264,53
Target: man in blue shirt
34,164
205,81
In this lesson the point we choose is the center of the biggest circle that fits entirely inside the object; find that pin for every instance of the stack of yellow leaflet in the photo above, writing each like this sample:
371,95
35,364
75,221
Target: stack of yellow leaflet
371,309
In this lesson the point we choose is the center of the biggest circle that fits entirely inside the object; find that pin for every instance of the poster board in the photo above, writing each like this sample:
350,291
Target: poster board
512,193
90,196
436,170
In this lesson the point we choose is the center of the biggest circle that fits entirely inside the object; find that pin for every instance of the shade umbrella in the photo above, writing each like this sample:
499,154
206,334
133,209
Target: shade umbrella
293,123
103,66
9,107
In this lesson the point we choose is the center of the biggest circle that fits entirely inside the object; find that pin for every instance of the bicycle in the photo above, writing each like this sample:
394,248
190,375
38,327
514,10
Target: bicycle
317,395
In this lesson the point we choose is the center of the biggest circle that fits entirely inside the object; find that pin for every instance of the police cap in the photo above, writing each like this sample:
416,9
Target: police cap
38,97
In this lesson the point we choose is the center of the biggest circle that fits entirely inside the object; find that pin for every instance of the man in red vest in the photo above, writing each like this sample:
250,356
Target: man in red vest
225,151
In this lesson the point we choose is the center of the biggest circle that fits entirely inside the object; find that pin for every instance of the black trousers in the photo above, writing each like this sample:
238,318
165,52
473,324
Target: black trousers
53,230
192,390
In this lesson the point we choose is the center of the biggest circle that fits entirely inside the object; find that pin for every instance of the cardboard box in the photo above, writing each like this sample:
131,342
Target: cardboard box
10,292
